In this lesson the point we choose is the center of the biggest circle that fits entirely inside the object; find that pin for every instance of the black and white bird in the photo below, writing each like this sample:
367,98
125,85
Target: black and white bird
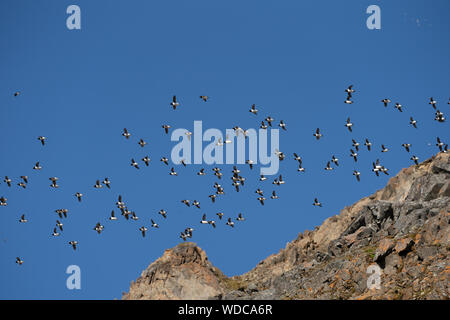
355,144
166,128
406,146
98,185
240,217
186,202
220,215
204,221
439,143
3,201
349,124
253,109
164,160
79,195
59,225
74,244
317,203
432,103
113,216
37,166
317,134
174,103
357,174
413,122
154,224
398,106
42,140
261,200
250,163
24,178
335,160
196,203
55,232
368,144
19,261
142,143
53,180
125,133
16,94
173,172
348,101
354,155
328,166
415,159
297,157
274,195
350,90
384,149
262,178
280,154
134,164
230,223
143,230
146,160
98,227
385,102
204,98
263,125
269,120
213,197
22,184
163,213
282,125
22,219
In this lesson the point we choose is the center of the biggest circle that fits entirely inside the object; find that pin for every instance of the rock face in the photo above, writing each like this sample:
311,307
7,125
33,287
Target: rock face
183,272
403,229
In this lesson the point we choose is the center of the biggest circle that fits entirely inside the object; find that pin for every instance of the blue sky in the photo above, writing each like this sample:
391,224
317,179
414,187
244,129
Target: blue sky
293,59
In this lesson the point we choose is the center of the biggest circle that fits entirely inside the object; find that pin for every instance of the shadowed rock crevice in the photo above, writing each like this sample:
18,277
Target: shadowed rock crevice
403,228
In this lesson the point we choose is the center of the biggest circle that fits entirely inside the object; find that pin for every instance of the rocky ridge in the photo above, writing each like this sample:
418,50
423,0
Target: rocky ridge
403,229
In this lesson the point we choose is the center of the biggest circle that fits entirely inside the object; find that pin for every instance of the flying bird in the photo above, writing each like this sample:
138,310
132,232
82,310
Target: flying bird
166,128
146,160
42,140
253,109
385,101
349,124
406,146
317,134
37,166
78,195
74,244
174,103
126,134
317,203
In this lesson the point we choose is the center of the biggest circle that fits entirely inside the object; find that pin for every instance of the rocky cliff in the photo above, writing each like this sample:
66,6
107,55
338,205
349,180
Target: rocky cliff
403,229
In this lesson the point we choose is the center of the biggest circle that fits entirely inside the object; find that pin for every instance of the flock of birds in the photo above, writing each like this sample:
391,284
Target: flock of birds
237,179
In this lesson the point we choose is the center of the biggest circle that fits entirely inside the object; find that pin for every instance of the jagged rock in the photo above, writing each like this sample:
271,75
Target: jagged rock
183,272
384,248
403,227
